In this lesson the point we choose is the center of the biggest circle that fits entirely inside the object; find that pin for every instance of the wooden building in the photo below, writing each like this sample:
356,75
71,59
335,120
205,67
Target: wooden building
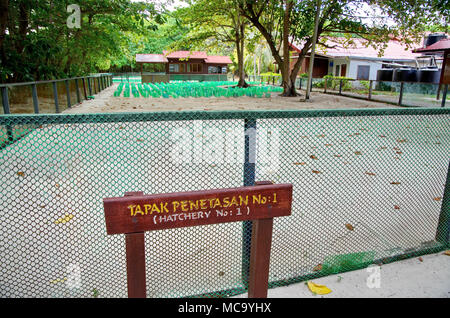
186,62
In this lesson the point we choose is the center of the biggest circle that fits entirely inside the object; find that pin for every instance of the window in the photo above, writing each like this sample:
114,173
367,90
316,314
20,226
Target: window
224,69
195,68
337,71
363,72
213,69
174,68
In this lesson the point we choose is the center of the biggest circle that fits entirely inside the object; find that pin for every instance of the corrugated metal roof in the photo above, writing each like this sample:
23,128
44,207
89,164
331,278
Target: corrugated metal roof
151,58
186,54
215,59
435,47
338,47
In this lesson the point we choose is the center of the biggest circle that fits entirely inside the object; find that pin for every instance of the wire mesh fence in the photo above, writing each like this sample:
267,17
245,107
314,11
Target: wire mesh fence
370,186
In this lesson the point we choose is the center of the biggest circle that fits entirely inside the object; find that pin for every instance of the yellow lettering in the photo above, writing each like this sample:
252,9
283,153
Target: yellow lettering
138,210
203,204
175,205
164,207
257,199
217,203
226,202
147,208
131,209
193,205
155,208
184,206
274,198
243,200
233,201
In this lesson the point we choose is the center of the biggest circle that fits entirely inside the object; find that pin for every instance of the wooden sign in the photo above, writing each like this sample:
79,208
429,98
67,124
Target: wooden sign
136,213
446,68
142,213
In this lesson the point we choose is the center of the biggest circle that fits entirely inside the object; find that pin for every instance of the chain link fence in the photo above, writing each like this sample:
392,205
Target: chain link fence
370,187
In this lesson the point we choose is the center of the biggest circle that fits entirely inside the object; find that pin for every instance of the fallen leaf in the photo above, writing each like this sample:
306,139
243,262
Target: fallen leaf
396,148
221,273
437,199
396,207
318,289
370,173
20,173
317,268
401,140
398,152
382,136
321,136
349,226
140,140
313,157
395,182
358,153
421,259
338,156
299,163
447,252
316,171
328,145
65,219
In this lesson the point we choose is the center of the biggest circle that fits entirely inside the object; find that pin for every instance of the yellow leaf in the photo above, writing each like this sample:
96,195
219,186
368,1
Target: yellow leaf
317,268
318,289
447,252
349,226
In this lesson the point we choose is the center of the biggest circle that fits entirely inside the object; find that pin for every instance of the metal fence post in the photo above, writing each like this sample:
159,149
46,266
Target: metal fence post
35,98
340,87
66,82
443,229
6,110
55,96
77,89
89,85
400,95
300,85
83,80
370,89
444,95
325,86
249,180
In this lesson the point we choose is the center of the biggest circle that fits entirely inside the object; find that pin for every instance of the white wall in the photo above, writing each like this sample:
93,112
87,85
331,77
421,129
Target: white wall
352,71
337,61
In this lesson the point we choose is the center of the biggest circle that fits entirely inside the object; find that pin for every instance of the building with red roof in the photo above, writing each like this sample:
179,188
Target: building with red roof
354,58
186,62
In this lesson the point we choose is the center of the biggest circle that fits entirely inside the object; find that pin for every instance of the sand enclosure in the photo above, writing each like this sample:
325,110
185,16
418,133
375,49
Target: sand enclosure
106,102
371,185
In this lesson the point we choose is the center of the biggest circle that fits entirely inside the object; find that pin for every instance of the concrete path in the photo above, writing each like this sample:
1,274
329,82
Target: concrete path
428,276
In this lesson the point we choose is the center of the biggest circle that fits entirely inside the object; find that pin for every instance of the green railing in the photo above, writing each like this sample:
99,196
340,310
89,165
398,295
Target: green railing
371,186
53,96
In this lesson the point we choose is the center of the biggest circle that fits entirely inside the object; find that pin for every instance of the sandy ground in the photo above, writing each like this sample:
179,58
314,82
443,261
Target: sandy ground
384,176
424,277
106,102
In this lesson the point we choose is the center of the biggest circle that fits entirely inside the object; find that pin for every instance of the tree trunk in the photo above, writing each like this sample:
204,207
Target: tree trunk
240,38
288,84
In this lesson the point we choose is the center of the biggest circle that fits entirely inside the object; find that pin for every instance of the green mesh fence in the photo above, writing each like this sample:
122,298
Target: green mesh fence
369,187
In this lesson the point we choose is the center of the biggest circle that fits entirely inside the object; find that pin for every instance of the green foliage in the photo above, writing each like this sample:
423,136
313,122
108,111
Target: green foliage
36,42
333,82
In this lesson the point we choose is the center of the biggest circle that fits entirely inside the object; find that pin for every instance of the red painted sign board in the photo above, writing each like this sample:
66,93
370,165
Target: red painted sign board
140,213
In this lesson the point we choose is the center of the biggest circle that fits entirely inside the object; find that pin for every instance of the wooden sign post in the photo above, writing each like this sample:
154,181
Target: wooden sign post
136,213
